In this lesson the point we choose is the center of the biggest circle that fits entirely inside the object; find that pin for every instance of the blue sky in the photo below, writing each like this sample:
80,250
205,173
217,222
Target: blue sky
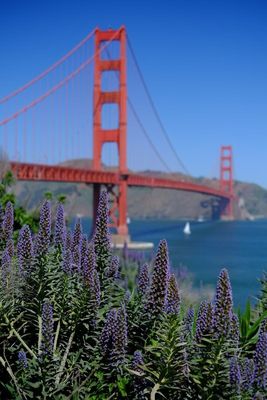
205,63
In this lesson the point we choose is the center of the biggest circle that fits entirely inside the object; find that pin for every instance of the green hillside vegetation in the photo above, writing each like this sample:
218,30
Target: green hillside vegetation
156,203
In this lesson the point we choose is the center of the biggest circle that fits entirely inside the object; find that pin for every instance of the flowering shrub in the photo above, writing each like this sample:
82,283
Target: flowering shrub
69,329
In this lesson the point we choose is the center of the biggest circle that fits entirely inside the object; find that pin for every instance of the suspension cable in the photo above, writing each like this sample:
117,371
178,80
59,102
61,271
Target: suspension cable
58,86
48,70
146,134
152,104
141,125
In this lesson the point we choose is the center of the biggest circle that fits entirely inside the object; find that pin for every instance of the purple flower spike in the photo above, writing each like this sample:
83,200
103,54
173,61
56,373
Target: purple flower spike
138,381
91,276
8,221
108,333
47,329
223,305
137,361
172,305
22,357
44,233
189,319
89,267
76,257
77,235
263,327
235,374
185,369
204,323
68,242
158,289
247,374
136,257
234,331
260,362
96,293
10,247
143,280
113,269
5,267
24,248
114,336
60,227
102,235
67,261
84,251
121,337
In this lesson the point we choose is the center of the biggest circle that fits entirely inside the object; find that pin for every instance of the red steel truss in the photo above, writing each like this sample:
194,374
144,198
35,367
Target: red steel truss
53,173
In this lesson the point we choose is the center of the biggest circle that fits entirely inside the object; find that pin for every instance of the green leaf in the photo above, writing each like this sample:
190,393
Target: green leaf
122,384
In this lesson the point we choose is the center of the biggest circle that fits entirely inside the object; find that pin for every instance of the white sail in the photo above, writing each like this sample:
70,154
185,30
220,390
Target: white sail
187,229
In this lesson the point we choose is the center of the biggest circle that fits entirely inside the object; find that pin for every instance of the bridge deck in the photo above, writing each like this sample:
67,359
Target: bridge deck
55,173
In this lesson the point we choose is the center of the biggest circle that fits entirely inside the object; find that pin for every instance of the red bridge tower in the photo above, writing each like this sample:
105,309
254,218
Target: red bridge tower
226,180
118,196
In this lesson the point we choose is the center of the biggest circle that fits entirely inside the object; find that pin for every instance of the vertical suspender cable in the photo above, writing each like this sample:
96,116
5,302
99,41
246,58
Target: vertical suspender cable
152,104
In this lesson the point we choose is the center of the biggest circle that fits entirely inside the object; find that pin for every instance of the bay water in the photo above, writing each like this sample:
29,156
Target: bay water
240,246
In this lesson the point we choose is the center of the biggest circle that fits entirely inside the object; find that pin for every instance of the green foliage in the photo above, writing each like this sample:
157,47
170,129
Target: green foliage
48,195
249,326
165,352
85,344
21,216
210,368
61,198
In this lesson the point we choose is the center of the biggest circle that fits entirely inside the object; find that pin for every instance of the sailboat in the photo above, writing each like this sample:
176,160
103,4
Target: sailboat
187,230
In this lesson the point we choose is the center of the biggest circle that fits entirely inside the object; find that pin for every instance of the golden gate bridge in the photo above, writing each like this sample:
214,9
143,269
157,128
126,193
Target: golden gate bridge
49,120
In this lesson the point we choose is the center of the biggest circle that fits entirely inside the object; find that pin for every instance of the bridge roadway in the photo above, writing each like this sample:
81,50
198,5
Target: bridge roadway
55,173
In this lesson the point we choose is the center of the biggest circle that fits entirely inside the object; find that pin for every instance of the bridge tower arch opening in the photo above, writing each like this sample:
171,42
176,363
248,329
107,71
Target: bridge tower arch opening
117,193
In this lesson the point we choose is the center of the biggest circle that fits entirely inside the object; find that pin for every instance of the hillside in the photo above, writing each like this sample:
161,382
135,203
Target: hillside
146,202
